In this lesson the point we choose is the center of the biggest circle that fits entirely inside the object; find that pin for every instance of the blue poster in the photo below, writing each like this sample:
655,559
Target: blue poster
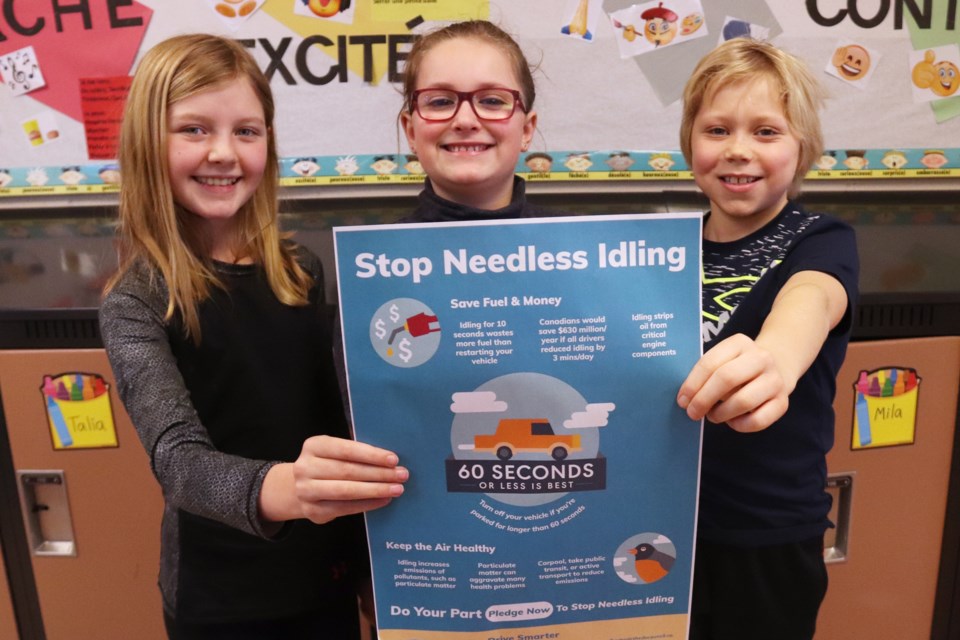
525,372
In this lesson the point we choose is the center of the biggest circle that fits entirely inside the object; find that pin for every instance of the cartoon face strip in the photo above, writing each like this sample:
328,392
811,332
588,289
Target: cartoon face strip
71,176
346,165
660,162
383,165
412,165
538,162
852,61
37,177
942,78
894,159
856,160
578,162
933,158
110,174
827,161
619,161
661,25
305,166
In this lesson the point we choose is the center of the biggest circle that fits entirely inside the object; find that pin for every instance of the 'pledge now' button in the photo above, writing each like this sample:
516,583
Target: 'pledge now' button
522,611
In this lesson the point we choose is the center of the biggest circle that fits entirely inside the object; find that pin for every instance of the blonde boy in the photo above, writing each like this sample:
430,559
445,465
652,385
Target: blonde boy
778,288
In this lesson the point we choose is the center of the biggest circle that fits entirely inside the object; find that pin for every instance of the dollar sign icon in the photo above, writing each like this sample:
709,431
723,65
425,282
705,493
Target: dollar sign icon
404,348
380,330
394,315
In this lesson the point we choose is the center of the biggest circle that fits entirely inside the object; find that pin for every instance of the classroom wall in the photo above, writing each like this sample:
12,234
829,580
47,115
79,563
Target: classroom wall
65,71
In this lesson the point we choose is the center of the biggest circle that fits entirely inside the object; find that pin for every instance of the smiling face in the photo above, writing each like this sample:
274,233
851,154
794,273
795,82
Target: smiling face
660,31
852,62
744,157
947,78
216,153
469,160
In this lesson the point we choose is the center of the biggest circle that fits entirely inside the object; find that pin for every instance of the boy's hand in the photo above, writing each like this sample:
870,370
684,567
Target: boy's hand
747,383
738,383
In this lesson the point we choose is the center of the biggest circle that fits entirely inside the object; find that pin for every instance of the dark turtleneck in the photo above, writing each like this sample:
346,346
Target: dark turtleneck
433,208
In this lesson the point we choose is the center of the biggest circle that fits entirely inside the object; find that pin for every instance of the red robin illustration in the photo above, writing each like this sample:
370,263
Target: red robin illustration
651,564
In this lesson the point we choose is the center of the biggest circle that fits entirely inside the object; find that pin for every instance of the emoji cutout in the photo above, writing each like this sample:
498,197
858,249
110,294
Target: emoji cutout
581,21
327,8
853,63
41,129
20,71
936,75
234,13
235,8
734,28
691,23
336,10
660,25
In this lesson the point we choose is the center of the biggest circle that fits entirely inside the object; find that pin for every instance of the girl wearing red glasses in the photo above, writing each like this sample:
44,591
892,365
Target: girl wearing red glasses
468,114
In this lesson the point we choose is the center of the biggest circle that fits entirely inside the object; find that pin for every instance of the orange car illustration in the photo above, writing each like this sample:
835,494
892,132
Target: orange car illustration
526,435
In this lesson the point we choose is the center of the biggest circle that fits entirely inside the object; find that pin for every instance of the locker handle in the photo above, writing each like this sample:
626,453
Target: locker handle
46,513
842,484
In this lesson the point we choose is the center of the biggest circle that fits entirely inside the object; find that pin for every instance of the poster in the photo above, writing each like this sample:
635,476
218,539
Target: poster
525,372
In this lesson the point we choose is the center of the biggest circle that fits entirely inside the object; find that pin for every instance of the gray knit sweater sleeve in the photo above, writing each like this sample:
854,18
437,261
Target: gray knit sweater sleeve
194,476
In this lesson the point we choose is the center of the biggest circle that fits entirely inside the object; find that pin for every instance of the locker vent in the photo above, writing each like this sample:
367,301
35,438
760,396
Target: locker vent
50,330
45,330
876,318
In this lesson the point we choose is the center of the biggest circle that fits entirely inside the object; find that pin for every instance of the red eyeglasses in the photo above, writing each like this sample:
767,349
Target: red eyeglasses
438,105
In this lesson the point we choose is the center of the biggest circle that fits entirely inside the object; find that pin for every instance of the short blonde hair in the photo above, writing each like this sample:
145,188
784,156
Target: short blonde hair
153,227
741,59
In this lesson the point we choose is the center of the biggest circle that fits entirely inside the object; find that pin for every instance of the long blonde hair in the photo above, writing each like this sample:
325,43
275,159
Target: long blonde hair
153,227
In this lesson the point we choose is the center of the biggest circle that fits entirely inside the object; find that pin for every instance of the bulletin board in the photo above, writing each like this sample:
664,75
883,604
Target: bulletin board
608,88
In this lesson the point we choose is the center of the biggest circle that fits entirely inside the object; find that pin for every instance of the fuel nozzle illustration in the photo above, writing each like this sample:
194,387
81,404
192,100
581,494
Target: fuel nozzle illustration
405,332
418,325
